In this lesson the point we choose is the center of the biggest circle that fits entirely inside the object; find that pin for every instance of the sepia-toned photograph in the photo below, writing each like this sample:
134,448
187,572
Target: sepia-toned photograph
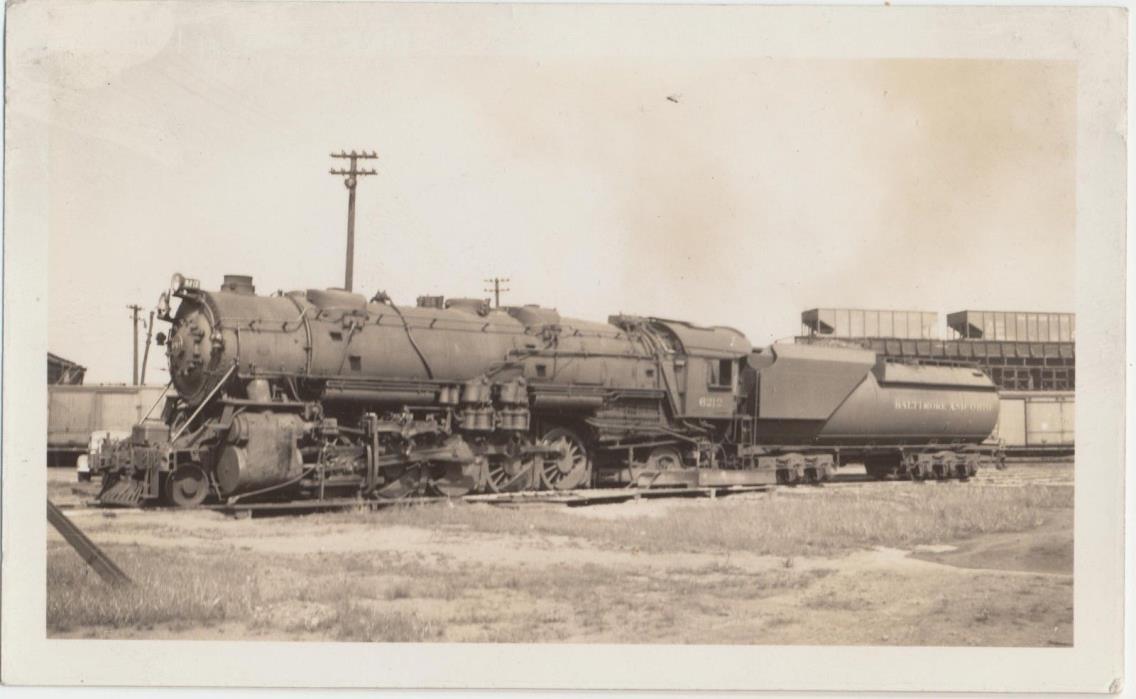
501,326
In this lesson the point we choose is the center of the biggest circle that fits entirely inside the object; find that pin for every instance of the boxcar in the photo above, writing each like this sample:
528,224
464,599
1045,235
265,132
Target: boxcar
74,412
1036,422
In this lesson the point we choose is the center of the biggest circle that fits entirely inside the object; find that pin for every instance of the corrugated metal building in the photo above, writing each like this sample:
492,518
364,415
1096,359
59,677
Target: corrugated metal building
1021,351
861,323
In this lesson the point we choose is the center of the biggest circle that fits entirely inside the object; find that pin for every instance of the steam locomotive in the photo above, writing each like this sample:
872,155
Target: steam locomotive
322,394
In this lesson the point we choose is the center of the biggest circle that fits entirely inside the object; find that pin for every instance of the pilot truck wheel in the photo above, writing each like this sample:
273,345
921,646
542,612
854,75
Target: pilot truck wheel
187,486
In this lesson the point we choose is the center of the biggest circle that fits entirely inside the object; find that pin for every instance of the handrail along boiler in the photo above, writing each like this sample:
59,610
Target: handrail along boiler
322,393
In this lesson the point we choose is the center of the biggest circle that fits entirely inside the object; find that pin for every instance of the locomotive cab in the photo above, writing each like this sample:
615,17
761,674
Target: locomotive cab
707,365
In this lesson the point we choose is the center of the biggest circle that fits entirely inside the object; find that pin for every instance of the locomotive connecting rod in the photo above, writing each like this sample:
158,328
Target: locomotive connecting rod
351,177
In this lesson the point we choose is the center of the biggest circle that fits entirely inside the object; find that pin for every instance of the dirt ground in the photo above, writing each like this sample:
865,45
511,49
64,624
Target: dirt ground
984,563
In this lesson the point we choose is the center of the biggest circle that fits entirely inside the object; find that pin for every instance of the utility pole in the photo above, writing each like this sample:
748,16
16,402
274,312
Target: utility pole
350,179
496,290
146,352
135,308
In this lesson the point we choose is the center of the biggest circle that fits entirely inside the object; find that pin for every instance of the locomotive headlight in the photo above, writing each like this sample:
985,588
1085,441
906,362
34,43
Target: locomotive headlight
179,283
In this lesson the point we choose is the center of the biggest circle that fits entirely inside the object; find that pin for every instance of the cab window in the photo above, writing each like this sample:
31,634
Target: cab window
721,373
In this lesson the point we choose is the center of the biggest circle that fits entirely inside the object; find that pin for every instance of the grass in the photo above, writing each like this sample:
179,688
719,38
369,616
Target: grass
164,591
407,596
391,597
355,621
819,524
1008,604
61,490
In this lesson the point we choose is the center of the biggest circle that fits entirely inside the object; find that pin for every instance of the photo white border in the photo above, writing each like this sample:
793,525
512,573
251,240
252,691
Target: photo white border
1095,38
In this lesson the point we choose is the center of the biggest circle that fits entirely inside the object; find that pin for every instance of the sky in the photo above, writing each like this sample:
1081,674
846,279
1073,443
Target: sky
714,184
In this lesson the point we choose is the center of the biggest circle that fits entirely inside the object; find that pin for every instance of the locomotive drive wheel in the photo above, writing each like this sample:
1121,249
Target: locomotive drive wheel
406,483
510,474
571,469
450,480
187,486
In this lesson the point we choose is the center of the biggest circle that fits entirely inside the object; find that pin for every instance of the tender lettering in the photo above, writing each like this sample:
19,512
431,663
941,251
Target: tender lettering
943,406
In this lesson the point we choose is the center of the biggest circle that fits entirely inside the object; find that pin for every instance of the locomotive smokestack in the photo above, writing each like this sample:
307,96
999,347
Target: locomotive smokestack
238,284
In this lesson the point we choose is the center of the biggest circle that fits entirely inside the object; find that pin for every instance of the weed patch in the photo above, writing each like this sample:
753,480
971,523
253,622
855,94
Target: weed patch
818,524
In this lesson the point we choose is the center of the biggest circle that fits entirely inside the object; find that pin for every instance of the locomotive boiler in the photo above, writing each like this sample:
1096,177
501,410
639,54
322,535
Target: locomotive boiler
317,394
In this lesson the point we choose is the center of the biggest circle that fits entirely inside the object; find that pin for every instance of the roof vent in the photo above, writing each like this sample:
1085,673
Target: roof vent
478,306
532,314
337,299
238,284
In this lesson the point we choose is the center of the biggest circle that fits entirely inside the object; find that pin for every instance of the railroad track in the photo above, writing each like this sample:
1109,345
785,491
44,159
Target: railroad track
1009,479
585,497
578,498
570,498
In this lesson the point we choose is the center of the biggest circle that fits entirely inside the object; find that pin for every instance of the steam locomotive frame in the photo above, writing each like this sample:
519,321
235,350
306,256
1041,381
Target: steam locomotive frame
321,393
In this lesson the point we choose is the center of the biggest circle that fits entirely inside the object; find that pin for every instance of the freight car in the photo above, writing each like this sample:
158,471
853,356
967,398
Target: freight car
74,412
321,393
1036,423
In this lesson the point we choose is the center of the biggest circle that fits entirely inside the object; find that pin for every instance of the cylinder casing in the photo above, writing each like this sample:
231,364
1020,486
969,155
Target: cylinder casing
260,452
